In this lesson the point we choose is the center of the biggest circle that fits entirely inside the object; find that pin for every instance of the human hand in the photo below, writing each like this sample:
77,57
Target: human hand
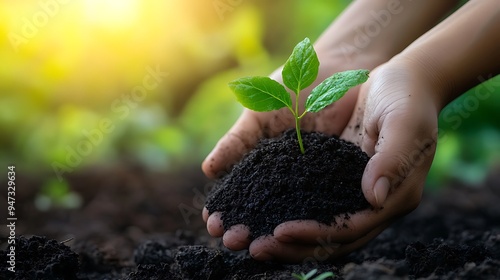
395,122
253,125
397,117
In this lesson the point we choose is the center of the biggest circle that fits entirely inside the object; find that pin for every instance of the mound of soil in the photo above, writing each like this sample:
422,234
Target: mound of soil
276,183
40,258
131,226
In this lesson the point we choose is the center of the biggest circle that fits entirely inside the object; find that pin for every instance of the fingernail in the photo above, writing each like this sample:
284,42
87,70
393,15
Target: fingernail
334,245
285,238
263,257
380,190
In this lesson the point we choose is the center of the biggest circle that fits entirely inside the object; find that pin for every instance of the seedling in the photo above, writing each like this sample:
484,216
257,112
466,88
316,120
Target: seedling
264,94
311,273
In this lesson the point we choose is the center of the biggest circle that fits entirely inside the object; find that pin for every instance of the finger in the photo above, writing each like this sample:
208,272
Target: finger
233,145
346,249
403,152
268,248
204,214
214,225
342,231
303,232
236,238
354,128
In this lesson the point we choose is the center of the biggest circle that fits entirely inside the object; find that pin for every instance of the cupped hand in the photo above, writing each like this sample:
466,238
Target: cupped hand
252,126
395,122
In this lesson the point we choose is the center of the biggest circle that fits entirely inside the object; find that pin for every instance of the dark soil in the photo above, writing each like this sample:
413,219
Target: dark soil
276,183
39,258
139,225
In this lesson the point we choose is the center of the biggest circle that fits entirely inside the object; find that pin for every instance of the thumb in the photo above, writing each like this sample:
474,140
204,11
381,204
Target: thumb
403,153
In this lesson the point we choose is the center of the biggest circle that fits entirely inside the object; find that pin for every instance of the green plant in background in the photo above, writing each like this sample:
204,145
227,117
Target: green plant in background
43,117
264,94
55,193
311,273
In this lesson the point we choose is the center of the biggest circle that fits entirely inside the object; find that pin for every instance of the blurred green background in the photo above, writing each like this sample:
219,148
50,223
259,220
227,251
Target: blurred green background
77,88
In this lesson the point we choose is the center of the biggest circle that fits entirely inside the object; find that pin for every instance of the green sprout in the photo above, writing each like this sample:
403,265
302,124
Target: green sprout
311,273
264,94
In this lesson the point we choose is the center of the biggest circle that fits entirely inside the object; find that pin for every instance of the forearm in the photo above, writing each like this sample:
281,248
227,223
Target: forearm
376,30
460,52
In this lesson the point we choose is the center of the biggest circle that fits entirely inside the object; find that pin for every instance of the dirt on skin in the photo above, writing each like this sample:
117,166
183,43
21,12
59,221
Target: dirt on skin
130,226
276,183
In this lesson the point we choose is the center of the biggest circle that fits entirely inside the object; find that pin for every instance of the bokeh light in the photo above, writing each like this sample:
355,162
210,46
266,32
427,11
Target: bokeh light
67,66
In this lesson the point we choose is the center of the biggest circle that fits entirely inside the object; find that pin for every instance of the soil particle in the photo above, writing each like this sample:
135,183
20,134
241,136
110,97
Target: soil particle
453,234
93,258
153,272
378,269
183,262
40,258
275,183
152,252
199,262
439,257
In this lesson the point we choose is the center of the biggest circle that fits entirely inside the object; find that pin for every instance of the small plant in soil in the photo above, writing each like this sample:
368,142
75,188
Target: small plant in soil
275,183
300,70
311,273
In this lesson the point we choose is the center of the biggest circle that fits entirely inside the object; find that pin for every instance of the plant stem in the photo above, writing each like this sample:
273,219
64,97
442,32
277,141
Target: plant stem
297,122
299,136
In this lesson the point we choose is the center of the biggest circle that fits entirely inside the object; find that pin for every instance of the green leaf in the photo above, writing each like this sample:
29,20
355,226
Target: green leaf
301,68
324,275
261,93
310,273
333,88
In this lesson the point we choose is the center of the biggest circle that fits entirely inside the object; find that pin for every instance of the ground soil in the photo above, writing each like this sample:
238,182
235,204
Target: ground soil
139,225
276,183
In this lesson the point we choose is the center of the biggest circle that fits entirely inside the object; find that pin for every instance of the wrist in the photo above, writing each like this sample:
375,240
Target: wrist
339,57
424,79
451,64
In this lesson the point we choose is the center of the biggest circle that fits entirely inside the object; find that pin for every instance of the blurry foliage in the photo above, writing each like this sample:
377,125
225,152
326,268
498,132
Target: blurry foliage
469,141
55,193
62,83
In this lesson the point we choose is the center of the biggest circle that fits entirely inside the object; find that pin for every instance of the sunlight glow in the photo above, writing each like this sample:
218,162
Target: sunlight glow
111,13
91,51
